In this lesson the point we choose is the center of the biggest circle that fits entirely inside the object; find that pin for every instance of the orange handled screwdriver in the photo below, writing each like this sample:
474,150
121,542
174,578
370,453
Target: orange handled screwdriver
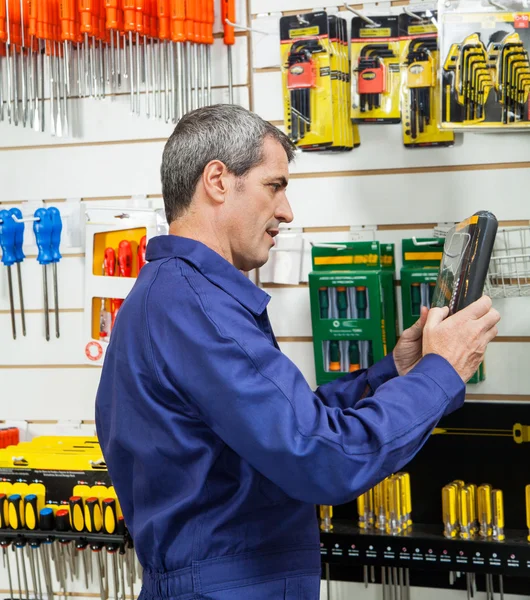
178,37
228,16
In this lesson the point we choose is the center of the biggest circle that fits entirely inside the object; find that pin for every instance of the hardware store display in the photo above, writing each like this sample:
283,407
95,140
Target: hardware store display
115,245
420,92
315,76
375,63
485,65
352,306
159,50
57,502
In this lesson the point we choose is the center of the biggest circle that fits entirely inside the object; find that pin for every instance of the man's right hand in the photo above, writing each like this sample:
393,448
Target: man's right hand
463,337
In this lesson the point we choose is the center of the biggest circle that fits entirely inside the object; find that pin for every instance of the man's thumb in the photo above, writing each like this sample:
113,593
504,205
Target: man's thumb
436,316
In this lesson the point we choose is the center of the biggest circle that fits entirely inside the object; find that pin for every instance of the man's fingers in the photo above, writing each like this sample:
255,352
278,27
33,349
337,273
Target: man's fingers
415,331
477,309
436,316
491,318
491,334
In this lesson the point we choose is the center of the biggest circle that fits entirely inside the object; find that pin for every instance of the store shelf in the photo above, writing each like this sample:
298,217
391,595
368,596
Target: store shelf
424,547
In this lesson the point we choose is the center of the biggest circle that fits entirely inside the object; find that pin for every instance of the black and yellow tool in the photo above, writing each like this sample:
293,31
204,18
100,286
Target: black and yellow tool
77,519
519,433
4,512
450,511
93,516
527,503
110,518
31,511
484,507
326,516
16,511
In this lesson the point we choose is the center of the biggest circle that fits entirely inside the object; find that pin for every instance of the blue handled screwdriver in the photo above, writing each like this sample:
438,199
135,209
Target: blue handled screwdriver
57,227
19,257
42,228
7,242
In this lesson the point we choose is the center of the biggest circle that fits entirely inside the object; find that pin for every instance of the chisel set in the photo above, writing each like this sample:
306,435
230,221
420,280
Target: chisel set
59,531
157,51
486,73
315,71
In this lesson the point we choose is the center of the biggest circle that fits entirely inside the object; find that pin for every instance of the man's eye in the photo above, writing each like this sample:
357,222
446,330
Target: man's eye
277,187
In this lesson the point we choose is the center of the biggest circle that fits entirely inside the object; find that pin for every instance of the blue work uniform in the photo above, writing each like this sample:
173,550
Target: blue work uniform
217,446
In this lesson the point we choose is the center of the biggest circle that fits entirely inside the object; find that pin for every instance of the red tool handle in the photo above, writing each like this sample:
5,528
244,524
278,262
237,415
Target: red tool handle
141,253
109,264
228,12
125,259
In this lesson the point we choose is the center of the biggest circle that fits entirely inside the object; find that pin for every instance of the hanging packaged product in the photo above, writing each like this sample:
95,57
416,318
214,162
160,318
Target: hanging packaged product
420,90
352,306
375,56
315,67
485,66
115,253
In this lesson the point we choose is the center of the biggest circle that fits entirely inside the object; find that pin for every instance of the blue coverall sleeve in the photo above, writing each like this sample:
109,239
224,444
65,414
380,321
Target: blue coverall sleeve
346,391
222,366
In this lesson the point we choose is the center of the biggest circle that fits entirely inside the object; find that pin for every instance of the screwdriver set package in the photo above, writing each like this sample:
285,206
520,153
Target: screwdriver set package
315,77
375,64
485,67
115,253
420,90
352,300
419,276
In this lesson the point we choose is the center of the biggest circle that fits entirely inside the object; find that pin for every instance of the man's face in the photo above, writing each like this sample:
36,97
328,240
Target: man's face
257,205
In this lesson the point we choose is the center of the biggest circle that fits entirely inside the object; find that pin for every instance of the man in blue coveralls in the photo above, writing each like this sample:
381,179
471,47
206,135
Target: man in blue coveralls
218,448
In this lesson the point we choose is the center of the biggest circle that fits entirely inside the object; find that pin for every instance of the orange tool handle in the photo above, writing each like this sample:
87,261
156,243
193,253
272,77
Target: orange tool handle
109,263
115,305
228,11
125,259
141,252
32,18
162,9
178,9
3,31
129,15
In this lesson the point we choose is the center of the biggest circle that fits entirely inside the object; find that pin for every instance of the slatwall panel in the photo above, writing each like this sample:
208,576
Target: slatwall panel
114,155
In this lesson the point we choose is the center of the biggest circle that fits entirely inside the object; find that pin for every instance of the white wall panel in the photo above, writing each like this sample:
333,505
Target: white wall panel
47,393
111,120
506,367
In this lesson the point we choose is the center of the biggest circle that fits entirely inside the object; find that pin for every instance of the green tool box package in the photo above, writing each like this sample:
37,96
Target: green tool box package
352,306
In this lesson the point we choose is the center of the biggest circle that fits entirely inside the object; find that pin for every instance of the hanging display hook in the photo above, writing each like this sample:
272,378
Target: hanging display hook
411,14
498,5
361,16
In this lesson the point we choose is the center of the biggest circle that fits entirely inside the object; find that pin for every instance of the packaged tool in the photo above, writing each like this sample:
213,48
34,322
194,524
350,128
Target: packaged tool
115,253
466,257
419,273
375,57
420,90
485,67
315,74
352,306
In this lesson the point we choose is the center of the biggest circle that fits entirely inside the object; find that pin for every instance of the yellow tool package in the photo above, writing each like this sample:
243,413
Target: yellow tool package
315,77
485,66
420,90
375,56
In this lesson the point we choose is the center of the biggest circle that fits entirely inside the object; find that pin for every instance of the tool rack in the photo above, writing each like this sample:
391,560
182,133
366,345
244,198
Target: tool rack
484,441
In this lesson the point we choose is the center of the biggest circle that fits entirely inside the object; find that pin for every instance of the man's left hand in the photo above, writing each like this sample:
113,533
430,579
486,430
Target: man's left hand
408,351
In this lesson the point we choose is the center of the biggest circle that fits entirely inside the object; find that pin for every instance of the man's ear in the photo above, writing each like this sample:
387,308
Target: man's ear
216,180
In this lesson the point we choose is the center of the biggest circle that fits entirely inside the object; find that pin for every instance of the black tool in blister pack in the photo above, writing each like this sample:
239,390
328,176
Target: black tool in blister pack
300,80
420,81
371,75
467,253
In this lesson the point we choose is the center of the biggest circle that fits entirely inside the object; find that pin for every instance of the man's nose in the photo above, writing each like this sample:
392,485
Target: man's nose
284,213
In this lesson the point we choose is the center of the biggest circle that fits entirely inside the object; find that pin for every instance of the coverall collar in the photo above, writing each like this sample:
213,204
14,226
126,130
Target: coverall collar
213,266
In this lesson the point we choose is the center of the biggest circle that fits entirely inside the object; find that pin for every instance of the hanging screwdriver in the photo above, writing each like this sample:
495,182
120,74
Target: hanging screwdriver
19,257
7,243
228,15
77,519
93,517
42,228
57,227
110,518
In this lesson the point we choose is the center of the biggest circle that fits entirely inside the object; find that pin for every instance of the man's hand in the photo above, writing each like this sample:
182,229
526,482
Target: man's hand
408,351
463,337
